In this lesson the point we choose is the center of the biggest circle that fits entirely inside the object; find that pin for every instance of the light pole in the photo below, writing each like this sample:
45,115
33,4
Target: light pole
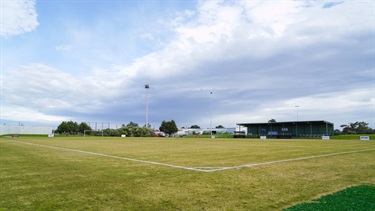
211,113
297,106
147,87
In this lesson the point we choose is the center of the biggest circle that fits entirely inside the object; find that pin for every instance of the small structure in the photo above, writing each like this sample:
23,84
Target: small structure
301,129
199,131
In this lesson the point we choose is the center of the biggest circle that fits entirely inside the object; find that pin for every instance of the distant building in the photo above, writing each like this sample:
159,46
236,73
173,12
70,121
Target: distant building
289,129
12,130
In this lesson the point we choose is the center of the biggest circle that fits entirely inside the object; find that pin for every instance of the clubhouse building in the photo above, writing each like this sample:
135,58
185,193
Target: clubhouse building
302,129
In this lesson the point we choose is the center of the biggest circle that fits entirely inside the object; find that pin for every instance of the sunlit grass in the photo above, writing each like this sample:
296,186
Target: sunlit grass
34,177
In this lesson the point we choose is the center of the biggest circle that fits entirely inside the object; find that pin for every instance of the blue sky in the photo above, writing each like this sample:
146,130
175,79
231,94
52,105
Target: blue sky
88,61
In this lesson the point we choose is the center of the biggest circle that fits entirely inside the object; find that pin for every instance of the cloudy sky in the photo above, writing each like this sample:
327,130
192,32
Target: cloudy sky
89,61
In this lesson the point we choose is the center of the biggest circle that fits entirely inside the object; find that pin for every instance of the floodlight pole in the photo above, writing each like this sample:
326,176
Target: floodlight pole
297,106
211,113
147,87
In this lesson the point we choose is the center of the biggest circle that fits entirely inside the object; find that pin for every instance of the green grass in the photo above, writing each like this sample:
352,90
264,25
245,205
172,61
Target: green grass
352,136
353,198
40,178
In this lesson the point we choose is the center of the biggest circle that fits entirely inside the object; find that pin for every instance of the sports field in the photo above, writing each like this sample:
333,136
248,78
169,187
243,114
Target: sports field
92,173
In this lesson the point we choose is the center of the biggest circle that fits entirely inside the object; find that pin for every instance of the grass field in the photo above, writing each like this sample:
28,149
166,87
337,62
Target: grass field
95,173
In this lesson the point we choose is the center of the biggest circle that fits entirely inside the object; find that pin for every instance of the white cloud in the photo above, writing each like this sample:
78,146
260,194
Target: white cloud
47,88
64,47
28,114
147,36
214,22
273,17
17,17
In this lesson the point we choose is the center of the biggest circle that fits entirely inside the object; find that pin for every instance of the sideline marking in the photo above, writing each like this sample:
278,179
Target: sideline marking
200,169
112,156
285,160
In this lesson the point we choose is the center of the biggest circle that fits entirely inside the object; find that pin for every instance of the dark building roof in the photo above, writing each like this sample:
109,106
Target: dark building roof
288,122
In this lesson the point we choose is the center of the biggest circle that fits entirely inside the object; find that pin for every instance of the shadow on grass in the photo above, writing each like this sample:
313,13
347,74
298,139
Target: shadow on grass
354,198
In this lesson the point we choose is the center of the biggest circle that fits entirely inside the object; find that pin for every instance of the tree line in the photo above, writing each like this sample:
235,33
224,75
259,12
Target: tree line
71,128
130,130
356,128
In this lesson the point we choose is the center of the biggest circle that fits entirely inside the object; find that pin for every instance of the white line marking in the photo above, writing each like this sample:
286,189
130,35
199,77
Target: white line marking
287,160
113,156
200,169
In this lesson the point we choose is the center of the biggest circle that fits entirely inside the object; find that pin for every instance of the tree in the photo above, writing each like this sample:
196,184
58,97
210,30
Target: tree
69,127
83,126
133,131
62,128
111,132
356,128
72,127
195,127
148,126
132,124
169,127
271,121
220,126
